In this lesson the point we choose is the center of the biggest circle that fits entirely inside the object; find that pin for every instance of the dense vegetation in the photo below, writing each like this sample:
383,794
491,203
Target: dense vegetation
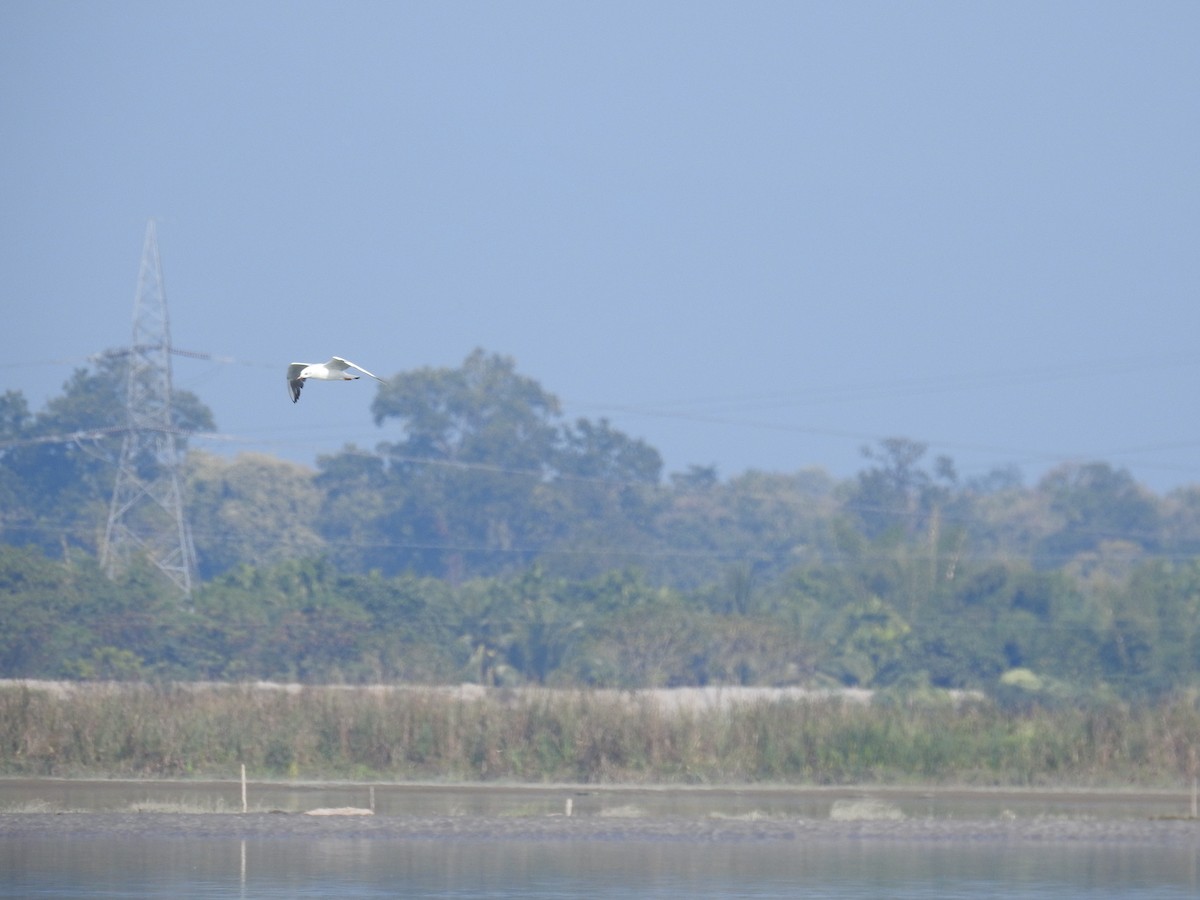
487,539
585,737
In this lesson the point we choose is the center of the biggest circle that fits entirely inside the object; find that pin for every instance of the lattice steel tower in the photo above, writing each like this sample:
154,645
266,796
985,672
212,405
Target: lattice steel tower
147,514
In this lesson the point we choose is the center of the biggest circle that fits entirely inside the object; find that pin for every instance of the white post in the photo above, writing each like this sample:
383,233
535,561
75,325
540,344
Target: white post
567,808
243,787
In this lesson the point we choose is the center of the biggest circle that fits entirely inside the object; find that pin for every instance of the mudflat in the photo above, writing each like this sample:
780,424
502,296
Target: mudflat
541,813
545,828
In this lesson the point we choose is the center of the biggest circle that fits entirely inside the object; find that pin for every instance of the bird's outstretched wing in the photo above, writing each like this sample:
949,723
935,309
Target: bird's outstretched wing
295,382
341,365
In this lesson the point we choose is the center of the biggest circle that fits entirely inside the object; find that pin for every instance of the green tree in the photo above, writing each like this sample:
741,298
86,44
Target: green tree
758,522
547,631
598,508
1151,644
660,642
476,443
896,493
254,510
1093,503
869,638
14,419
1181,521
296,621
356,493
68,620
413,628
36,606
58,467
486,613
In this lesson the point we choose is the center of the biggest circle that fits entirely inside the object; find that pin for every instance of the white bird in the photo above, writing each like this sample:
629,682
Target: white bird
334,370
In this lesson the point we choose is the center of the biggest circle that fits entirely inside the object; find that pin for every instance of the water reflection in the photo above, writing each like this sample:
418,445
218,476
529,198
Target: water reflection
138,865
127,855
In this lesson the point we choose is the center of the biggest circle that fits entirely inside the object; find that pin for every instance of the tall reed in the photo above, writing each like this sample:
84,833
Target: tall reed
577,736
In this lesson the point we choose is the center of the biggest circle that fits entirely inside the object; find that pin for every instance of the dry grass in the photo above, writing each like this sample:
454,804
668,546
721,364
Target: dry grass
723,736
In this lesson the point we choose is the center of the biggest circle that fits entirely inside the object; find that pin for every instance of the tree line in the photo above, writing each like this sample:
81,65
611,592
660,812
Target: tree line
487,538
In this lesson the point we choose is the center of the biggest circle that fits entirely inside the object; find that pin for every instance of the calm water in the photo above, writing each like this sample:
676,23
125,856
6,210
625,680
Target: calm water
129,859
155,867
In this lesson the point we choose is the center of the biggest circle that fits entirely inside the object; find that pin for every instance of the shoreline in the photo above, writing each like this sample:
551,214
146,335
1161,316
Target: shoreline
60,808
1111,793
256,826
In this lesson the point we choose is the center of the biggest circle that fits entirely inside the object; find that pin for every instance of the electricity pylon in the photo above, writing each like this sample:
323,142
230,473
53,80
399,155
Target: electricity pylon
146,515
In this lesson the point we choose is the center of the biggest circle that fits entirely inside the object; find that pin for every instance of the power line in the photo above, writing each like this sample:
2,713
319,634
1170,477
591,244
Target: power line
714,410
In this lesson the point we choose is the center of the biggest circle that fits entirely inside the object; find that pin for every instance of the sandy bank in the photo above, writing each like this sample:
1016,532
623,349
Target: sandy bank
691,699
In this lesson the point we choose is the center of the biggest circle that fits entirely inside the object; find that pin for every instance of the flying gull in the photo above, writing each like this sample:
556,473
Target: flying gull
334,370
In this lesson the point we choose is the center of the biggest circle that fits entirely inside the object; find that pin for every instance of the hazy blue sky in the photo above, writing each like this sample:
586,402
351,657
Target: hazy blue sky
757,235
